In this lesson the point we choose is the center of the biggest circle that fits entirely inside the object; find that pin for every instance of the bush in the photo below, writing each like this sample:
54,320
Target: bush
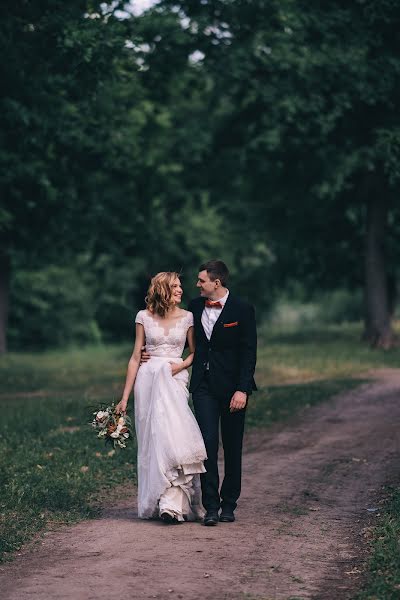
336,307
341,306
53,306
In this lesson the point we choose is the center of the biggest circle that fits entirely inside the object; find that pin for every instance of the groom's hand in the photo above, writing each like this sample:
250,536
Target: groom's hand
144,356
238,401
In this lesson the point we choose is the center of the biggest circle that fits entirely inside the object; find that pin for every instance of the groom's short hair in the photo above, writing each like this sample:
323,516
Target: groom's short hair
216,269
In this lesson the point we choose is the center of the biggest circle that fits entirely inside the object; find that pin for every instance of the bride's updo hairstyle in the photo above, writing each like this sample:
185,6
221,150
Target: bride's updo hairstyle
159,295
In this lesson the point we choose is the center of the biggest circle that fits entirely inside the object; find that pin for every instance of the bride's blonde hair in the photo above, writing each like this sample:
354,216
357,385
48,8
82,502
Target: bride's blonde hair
159,294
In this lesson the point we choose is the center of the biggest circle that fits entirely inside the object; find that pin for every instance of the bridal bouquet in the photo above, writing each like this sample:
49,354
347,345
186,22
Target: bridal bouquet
113,428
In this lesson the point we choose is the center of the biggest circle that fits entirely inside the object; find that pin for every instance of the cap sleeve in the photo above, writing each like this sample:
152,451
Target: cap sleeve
139,318
190,319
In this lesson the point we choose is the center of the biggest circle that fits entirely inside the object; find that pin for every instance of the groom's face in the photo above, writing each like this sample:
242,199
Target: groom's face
206,286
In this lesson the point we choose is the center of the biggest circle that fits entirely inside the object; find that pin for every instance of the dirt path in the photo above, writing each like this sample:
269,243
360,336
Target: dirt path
300,531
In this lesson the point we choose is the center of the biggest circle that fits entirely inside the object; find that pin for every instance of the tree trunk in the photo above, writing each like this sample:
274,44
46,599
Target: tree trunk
378,330
5,270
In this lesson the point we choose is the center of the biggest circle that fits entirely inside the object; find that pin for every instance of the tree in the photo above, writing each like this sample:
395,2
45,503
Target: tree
99,166
307,134
60,61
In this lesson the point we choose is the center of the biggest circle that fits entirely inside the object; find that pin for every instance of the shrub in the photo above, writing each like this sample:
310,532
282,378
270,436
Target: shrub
53,306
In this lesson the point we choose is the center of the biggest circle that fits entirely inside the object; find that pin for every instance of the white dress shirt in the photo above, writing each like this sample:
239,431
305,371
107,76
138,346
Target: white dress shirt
210,316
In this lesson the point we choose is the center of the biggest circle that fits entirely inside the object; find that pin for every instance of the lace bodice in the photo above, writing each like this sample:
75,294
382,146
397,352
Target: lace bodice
161,339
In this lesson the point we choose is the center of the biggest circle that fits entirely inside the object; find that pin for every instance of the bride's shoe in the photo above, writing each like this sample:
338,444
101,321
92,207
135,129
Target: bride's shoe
168,518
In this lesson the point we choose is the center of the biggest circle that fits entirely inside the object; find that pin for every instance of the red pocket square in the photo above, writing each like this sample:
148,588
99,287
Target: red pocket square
231,324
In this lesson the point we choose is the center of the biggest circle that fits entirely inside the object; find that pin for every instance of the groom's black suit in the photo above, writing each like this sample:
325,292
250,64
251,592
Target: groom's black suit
223,365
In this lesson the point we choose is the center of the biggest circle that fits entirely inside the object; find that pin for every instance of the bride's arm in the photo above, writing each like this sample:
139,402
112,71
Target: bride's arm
178,367
133,367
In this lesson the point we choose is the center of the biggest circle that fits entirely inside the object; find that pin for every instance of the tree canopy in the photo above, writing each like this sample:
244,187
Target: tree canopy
264,132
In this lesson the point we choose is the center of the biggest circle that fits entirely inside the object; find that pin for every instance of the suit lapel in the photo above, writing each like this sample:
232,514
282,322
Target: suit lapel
198,315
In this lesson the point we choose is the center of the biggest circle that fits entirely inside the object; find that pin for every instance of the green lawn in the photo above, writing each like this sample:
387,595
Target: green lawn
384,565
52,467
310,354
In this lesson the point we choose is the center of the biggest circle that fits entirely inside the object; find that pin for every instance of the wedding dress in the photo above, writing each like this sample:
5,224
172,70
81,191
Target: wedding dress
170,446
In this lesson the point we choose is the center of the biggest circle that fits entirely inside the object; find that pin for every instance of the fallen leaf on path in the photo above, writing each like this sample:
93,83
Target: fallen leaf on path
354,571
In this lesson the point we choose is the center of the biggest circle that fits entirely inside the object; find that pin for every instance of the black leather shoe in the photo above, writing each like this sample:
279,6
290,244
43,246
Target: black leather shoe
226,516
211,518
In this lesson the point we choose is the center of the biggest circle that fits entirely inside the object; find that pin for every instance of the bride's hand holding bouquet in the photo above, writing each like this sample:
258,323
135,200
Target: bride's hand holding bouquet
113,425
120,409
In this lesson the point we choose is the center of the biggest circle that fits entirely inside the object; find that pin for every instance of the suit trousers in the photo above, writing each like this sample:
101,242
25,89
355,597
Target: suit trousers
211,411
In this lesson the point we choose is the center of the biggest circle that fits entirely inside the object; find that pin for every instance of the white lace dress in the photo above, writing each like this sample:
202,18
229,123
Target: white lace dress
170,446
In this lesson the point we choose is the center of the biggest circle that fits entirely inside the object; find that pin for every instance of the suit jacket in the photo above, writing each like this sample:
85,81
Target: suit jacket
231,351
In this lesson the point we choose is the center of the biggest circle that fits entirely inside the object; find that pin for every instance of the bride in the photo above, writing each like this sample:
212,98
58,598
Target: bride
170,446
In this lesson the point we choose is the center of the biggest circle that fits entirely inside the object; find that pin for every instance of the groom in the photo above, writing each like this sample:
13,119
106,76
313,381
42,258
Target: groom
222,380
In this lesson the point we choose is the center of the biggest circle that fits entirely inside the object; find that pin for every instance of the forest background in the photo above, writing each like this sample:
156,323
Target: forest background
262,132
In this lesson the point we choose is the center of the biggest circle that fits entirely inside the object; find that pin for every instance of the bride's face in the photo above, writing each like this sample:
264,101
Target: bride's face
176,291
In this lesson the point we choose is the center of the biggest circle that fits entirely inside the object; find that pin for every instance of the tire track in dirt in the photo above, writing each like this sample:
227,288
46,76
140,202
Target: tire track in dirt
299,531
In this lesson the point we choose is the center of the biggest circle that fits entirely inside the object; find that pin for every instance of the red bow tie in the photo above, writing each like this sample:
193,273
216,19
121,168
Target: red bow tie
212,304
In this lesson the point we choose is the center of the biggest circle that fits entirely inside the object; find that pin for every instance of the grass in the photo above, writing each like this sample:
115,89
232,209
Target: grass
52,467
276,404
311,354
383,581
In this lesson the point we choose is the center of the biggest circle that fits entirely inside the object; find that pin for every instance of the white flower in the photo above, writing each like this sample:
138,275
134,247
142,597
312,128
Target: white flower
117,432
102,414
